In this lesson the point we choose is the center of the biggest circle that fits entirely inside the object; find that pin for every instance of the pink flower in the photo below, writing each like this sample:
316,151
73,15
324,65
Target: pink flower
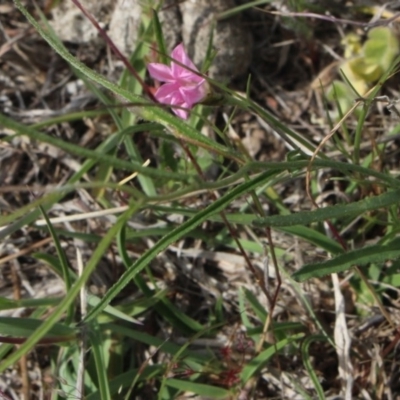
183,87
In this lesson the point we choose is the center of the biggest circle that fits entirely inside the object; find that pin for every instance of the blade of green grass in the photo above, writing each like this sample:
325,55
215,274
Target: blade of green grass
8,304
243,310
160,38
257,363
200,389
312,236
63,263
369,254
307,363
24,327
338,211
96,343
257,308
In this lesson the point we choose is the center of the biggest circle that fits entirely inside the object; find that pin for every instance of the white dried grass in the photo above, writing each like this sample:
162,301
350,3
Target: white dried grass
342,340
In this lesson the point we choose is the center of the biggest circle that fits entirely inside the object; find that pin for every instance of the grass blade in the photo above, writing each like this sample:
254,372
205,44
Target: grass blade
343,262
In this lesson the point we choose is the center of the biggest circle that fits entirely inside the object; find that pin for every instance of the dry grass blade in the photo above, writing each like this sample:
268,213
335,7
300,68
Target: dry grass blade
342,340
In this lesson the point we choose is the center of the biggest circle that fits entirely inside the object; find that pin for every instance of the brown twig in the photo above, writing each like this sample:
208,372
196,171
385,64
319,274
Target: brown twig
27,250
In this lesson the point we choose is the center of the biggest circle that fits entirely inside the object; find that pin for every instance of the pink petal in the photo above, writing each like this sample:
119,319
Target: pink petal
179,54
179,72
180,113
161,72
175,99
167,92
193,94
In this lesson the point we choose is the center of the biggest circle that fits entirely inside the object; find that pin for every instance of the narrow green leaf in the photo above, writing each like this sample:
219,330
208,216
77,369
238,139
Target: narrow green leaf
7,304
314,237
243,310
111,311
96,342
24,327
259,362
160,38
308,365
257,308
198,388
338,211
343,262
63,263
